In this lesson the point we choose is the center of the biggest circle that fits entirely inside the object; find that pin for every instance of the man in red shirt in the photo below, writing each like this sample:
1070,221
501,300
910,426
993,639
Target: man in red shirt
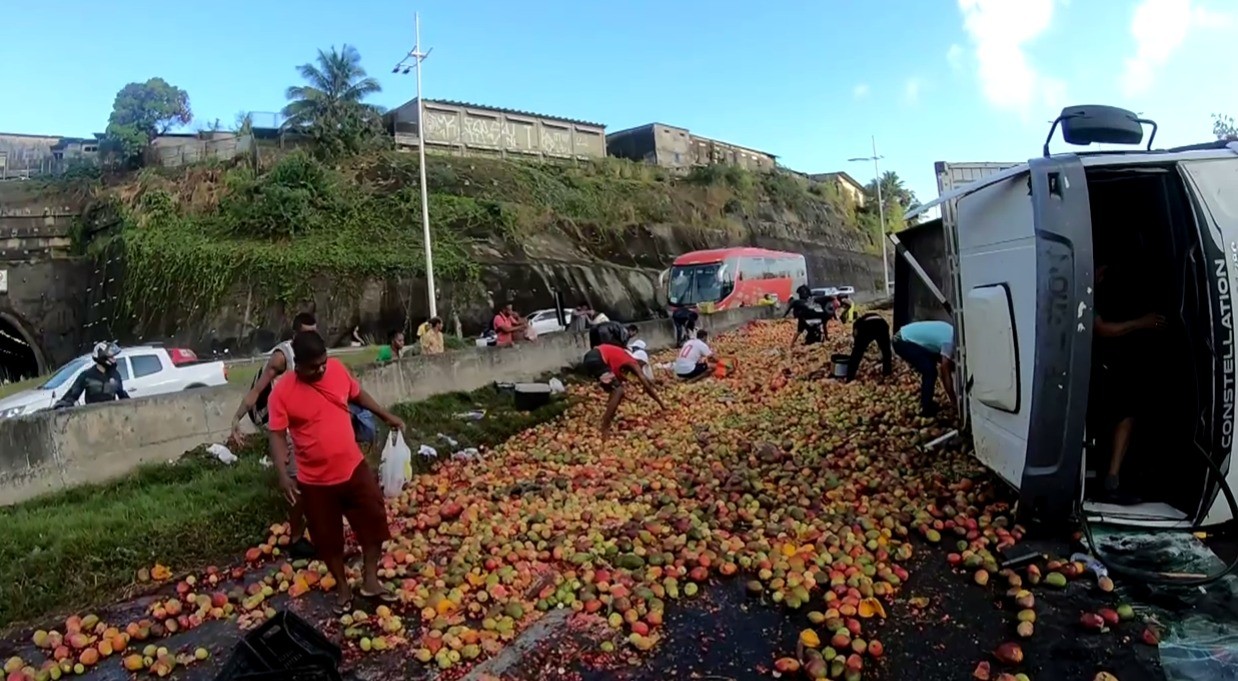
610,365
506,325
332,481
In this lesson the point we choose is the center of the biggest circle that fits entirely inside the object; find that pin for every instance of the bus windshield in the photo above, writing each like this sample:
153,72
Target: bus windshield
696,284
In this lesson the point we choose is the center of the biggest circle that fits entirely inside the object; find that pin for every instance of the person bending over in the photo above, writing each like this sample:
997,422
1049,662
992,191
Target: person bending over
929,348
865,330
684,318
810,317
333,481
612,366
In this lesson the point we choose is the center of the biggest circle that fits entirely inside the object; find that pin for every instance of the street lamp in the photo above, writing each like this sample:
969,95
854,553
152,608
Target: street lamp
416,56
881,212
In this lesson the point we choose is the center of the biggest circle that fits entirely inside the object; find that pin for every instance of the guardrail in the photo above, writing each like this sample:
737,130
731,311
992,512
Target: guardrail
49,451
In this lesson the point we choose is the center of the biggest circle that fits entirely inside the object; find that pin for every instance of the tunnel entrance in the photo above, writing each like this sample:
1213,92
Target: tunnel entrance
19,359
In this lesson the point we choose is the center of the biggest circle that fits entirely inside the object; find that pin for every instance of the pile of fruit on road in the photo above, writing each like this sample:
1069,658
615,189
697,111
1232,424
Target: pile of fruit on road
808,490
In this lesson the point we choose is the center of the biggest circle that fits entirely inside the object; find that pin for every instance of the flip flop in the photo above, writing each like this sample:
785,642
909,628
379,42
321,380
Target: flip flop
384,596
341,609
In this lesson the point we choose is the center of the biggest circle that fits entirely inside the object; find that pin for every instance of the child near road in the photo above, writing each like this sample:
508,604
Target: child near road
693,360
333,482
611,366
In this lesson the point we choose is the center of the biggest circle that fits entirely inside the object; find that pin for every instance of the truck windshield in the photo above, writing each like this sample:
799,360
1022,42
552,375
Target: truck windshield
64,373
1216,184
696,284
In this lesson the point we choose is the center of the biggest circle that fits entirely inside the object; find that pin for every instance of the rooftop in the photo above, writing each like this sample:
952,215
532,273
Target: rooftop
514,112
680,127
842,174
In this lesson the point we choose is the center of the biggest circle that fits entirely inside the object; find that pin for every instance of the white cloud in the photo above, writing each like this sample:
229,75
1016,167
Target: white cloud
912,89
860,91
1000,31
954,57
1159,28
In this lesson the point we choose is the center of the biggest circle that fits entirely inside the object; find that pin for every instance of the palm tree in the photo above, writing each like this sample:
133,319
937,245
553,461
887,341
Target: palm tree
893,190
334,93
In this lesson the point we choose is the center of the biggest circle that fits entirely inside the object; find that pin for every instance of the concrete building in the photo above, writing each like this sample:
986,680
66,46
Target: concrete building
679,149
76,148
850,188
462,128
23,155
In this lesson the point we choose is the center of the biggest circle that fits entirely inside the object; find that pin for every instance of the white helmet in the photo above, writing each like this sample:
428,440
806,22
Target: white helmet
105,353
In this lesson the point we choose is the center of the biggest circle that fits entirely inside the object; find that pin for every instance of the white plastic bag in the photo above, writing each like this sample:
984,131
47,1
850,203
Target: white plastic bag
222,453
396,465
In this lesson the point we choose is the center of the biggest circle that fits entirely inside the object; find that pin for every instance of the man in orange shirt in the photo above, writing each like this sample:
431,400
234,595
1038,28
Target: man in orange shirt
332,481
610,364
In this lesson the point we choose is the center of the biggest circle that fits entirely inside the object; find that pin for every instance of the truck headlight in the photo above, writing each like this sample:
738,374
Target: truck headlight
11,412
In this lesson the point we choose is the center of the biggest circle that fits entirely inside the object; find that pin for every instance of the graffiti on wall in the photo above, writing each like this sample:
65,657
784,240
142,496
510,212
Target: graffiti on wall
500,132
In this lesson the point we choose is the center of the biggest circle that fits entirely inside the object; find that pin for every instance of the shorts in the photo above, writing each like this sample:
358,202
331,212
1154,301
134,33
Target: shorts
700,369
359,499
1116,394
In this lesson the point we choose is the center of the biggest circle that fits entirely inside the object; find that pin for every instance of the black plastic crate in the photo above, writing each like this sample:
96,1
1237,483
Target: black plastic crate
282,646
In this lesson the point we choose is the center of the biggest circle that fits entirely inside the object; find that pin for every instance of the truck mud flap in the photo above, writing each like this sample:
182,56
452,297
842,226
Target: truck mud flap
1053,467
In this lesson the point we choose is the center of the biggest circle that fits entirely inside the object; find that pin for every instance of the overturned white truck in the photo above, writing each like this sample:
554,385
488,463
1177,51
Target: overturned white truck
1021,247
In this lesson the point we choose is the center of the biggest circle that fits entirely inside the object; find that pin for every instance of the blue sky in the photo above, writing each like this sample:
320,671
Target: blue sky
959,80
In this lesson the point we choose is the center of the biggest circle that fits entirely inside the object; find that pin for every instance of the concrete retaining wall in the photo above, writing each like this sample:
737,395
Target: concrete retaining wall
55,450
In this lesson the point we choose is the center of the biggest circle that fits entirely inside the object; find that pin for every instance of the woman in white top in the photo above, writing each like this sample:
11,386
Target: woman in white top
693,360
637,349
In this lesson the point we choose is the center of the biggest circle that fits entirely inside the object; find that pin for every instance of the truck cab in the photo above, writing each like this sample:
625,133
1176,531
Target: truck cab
1029,247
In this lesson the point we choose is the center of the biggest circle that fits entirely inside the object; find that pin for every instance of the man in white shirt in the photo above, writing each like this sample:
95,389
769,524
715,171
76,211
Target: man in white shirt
693,360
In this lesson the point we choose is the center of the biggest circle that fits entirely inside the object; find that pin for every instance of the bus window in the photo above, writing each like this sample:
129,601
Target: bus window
696,284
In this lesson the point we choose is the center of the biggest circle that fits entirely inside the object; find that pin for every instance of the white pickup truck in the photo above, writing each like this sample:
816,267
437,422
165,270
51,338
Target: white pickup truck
145,370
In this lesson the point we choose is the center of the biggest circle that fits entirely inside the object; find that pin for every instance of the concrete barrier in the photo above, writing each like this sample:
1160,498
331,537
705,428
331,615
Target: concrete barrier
51,451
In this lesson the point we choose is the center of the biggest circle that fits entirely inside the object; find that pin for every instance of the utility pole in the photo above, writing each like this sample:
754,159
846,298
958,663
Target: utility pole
881,213
417,56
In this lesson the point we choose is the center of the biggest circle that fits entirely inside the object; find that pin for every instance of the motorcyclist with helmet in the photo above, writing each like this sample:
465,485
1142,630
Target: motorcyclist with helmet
101,382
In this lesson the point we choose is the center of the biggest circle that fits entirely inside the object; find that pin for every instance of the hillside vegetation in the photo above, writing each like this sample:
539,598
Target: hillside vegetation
189,237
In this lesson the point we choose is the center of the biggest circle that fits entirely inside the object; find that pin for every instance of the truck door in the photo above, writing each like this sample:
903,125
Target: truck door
952,176
1061,339
1212,185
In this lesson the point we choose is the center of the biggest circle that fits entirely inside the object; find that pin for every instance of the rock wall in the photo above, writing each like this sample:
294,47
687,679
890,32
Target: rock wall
616,276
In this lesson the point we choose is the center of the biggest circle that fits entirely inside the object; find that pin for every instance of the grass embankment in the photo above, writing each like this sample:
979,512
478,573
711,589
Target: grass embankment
194,239
84,546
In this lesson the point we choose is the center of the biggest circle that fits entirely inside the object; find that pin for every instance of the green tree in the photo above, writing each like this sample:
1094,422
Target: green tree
141,112
1223,127
893,191
331,106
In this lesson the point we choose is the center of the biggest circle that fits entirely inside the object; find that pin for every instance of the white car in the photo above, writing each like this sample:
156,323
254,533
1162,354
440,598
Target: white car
547,321
833,291
145,370
542,322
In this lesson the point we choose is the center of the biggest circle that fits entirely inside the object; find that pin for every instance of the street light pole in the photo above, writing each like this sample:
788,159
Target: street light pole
417,56
881,214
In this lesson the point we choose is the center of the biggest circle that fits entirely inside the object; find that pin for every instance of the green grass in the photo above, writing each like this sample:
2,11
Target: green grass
80,548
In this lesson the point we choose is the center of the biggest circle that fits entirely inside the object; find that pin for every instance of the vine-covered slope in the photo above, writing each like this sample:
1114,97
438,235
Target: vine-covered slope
226,249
